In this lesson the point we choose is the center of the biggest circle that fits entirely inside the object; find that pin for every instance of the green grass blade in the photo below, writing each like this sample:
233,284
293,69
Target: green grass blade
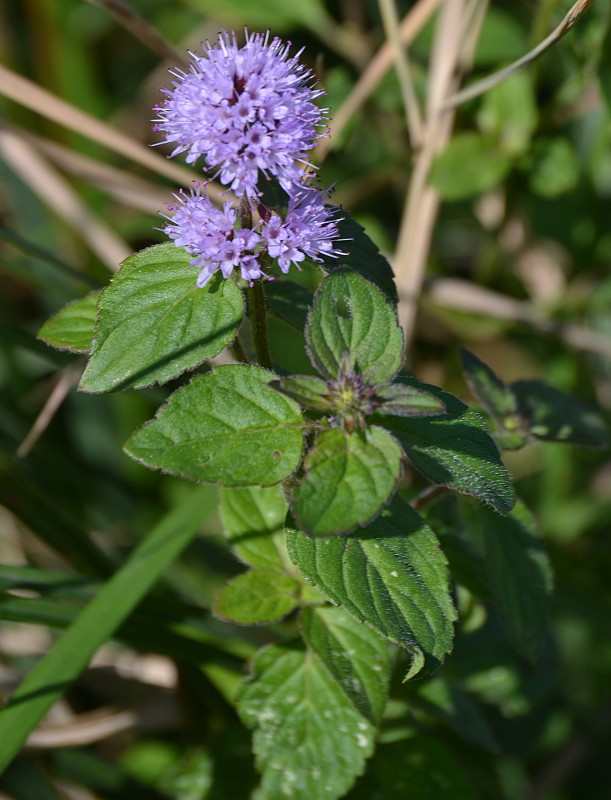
55,672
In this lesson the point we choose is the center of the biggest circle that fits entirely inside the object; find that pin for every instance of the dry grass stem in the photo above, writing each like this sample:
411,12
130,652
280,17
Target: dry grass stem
412,24
483,86
413,114
60,197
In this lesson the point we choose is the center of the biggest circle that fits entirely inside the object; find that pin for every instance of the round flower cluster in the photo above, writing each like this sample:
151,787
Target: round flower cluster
249,111
246,110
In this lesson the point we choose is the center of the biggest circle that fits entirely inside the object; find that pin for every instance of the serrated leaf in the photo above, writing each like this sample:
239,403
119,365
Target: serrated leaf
257,596
408,401
228,427
391,575
364,257
289,301
455,450
553,415
306,390
354,655
419,768
72,327
486,386
154,322
352,326
253,519
520,575
348,478
309,740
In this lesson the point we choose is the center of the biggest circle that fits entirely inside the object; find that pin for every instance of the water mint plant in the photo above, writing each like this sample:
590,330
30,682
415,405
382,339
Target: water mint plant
371,511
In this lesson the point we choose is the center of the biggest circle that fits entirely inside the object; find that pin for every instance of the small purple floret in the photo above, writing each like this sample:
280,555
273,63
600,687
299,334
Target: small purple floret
247,110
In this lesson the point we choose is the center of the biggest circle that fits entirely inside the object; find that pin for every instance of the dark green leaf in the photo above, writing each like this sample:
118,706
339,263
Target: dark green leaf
419,768
520,575
289,301
487,387
257,596
309,740
364,257
408,401
353,327
391,575
154,322
306,390
354,655
455,450
253,520
348,478
72,327
551,414
228,427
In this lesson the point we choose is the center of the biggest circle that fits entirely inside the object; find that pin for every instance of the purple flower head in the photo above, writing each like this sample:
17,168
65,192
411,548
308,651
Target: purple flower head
245,109
308,230
209,235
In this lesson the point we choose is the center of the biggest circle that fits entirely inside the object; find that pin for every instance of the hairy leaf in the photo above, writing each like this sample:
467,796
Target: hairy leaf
354,654
72,327
487,387
352,327
289,301
154,322
391,575
364,257
257,596
348,478
409,401
306,390
309,740
253,519
228,427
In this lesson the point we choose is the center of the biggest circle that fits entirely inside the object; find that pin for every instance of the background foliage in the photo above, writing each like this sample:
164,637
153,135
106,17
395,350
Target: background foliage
518,272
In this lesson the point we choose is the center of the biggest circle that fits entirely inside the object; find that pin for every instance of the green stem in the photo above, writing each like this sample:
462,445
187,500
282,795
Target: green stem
258,321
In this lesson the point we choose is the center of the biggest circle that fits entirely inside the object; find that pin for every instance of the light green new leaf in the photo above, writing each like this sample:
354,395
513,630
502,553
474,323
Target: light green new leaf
72,327
228,427
154,322
306,390
391,575
257,596
520,575
352,326
309,740
253,519
455,450
348,478
355,655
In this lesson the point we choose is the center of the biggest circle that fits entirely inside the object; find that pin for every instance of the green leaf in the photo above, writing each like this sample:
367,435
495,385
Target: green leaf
306,390
309,740
556,416
354,655
487,387
555,170
509,113
455,450
257,596
54,673
348,478
419,768
352,325
364,257
253,520
469,165
228,427
520,575
72,327
408,401
154,322
289,301
391,575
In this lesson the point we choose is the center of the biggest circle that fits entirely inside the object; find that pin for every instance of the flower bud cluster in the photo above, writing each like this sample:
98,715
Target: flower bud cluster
249,112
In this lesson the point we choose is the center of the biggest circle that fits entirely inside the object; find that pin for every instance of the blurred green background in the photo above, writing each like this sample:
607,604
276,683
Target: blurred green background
518,272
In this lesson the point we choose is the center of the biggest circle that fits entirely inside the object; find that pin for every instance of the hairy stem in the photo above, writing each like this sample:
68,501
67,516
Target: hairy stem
258,320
